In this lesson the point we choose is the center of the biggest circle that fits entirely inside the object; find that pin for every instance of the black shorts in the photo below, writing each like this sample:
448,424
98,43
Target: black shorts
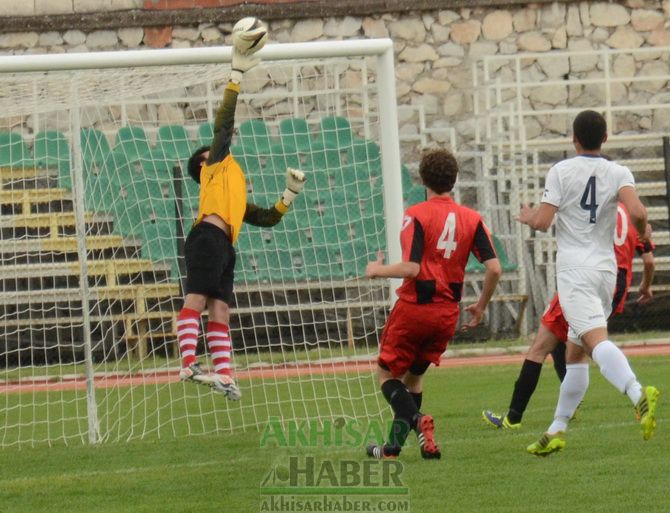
210,262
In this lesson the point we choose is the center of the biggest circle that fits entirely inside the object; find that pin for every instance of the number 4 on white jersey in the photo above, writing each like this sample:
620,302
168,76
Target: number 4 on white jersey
447,241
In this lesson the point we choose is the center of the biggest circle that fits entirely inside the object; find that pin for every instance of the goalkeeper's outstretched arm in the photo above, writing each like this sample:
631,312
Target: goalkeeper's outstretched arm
224,123
259,216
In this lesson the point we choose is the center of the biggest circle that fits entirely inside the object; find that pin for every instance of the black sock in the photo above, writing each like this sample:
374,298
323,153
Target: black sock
558,355
418,399
523,389
405,410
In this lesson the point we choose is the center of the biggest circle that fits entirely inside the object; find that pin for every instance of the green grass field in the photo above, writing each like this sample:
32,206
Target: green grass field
606,466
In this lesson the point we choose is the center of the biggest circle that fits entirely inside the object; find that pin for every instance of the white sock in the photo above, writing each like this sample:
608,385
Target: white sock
573,388
616,369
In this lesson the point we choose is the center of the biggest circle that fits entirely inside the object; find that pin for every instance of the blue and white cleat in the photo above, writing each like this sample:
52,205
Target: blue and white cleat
498,421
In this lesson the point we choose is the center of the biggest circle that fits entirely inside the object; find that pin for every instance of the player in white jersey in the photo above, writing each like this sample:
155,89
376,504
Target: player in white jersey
582,194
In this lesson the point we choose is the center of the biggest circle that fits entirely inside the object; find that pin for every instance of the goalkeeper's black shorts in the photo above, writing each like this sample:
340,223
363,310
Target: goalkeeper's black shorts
210,262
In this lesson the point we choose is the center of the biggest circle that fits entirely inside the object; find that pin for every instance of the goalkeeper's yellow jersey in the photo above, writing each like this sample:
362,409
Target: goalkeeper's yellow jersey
223,191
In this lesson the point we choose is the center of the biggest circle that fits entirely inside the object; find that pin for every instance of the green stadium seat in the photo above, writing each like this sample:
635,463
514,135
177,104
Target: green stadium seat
320,264
100,193
474,265
174,142
359,191
321,231
14,151
295,132
366,156
190,192
406,176
247,159
415,195
244,269
347,177
336,132
132,141
505,263
330,199
354,257
158,164
121,168
282,261
251,240
374,226
270,184
51,149
294,264
94,148
282,157
105,186
323,158
319,179
290,223
375,204
254,135
159,242
264,262
205,134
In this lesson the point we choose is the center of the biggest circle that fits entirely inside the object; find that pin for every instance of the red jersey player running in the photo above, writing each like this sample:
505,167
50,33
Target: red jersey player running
554,327
437,236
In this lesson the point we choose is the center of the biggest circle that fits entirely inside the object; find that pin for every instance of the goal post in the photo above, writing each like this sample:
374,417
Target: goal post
92,154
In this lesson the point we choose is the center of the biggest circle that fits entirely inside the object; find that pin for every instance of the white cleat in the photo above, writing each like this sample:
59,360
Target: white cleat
226,385
196,375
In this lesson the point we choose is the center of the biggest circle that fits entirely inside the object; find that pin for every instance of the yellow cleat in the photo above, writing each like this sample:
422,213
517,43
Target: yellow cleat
498,421
645,411
548,444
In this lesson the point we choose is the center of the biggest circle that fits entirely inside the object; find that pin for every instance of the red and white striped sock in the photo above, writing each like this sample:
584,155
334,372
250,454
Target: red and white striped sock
218,340
188,329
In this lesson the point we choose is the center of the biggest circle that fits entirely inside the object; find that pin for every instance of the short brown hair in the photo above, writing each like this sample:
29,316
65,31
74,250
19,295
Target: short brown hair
438,170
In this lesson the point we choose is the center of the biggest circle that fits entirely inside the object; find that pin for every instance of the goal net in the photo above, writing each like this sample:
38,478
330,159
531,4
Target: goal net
96,205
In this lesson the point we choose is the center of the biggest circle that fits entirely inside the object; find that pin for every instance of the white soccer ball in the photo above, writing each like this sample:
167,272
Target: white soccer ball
249,35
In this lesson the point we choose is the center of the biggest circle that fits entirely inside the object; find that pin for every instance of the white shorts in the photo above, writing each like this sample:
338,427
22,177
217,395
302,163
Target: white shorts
585,296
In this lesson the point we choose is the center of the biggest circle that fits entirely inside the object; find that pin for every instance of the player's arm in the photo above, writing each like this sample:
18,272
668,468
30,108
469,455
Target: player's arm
538,218
377,269
644,291
224,122
259,216
484,251
541,217
646,251
636,210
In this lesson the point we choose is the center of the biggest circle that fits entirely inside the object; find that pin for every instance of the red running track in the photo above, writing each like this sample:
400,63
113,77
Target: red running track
31,385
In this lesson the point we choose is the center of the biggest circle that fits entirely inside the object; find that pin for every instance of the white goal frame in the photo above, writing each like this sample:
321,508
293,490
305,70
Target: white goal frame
379,49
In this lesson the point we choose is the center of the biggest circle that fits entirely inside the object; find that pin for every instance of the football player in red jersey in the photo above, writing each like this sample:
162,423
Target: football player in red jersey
436,238
554,327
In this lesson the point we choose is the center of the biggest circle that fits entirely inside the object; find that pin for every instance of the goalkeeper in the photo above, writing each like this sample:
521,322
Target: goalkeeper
209,250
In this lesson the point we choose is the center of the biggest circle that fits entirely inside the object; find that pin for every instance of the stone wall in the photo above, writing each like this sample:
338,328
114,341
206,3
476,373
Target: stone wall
434,48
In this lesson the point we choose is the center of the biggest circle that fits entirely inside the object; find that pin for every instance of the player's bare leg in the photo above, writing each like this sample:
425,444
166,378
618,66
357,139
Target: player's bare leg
544,343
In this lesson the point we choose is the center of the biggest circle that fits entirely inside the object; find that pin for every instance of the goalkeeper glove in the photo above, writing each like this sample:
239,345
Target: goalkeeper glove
295,181
241,64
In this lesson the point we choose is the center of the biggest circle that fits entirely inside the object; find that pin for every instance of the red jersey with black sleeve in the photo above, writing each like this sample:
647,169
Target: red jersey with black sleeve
439,235
626,244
